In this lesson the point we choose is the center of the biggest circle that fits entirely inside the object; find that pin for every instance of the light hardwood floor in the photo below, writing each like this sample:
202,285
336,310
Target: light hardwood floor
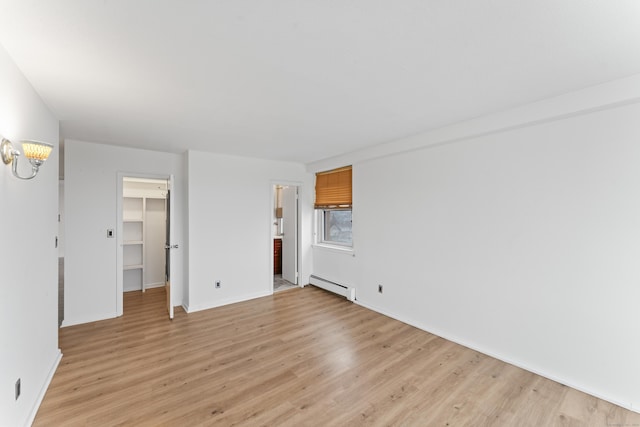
303,357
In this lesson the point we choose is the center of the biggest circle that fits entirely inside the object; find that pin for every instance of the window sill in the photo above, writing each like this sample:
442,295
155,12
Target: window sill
347,250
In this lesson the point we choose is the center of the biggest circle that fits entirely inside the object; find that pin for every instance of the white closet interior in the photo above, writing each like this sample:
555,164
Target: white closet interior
144,233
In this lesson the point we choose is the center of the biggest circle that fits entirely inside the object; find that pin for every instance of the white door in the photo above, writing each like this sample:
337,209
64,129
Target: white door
290,234
169,247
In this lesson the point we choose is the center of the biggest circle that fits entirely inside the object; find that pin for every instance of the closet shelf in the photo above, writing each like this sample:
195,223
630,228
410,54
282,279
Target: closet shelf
133,242
132,267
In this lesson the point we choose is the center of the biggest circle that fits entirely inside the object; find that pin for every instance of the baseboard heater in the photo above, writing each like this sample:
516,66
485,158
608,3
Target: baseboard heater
336,288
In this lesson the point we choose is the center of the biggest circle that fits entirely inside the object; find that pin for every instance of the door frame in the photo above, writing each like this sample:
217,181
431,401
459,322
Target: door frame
169,239
272,193
119,227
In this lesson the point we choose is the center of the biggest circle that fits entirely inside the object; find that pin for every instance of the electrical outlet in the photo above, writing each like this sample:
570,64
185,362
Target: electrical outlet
218,284
379,289
18,389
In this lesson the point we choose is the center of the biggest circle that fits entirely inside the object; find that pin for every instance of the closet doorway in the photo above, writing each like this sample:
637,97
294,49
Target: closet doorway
144,236
285,237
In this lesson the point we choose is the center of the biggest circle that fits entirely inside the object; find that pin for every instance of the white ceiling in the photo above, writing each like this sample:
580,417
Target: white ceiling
303,80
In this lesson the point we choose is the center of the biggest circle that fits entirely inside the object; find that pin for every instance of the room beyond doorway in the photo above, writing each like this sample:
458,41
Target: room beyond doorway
144,218
285,237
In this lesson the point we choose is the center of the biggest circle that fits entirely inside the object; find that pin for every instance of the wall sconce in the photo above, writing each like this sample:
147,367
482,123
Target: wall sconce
37,152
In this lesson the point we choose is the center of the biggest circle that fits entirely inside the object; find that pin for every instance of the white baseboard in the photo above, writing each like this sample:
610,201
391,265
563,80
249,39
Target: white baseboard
227,301
86,319
154,285
627,405
45,387
146,286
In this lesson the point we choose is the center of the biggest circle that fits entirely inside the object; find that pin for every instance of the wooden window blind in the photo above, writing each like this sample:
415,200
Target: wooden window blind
333,188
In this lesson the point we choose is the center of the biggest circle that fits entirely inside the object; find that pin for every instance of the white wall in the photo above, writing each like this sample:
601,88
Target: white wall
29,283
230,226
522,243
91,179
337,265
185,234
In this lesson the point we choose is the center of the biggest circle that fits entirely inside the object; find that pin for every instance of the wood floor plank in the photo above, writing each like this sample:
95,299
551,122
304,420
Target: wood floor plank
303,357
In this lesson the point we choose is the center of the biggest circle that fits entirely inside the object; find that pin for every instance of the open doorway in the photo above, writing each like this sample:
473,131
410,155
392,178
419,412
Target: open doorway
285,237
144,235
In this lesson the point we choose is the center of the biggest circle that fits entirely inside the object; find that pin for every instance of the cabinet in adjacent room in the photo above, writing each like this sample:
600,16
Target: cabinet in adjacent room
277,256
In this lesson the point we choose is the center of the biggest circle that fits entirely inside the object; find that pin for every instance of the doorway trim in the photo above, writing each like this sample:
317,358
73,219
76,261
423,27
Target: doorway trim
119,229
272,197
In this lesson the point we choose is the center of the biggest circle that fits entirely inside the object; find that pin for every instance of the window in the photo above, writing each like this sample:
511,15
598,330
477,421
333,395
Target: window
336,226
333,205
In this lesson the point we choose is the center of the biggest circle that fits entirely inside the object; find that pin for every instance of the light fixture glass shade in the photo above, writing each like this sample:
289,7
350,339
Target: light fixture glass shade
35,150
